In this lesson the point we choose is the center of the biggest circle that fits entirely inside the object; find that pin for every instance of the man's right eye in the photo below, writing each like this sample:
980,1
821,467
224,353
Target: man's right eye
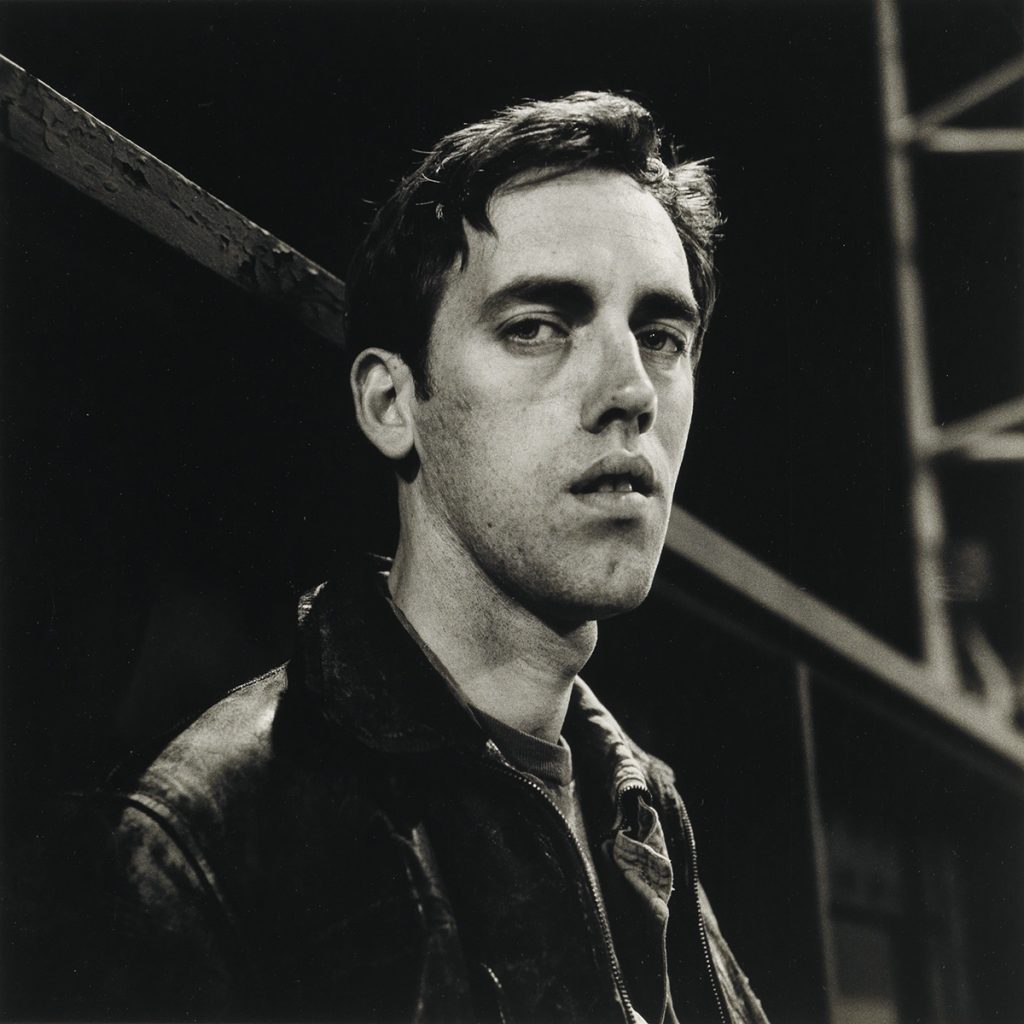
533,331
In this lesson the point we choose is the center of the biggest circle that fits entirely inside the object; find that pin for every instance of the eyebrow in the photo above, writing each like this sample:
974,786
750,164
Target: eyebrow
664,305
563,293
577,300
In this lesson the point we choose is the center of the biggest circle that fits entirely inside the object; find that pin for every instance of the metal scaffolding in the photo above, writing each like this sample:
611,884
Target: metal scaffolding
993,435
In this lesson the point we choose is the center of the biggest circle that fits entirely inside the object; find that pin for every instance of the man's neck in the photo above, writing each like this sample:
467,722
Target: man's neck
506,660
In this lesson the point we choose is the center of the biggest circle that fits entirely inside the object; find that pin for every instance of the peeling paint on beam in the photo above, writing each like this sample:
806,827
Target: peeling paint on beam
61,137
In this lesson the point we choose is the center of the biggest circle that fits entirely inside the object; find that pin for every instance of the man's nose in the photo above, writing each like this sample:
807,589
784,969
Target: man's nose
619,388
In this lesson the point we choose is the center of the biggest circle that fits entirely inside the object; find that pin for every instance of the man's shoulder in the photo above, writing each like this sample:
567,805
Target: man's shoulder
248,859
248,774
194,762
256,793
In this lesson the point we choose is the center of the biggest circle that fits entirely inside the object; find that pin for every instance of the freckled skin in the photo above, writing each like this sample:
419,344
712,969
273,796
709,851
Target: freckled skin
513,421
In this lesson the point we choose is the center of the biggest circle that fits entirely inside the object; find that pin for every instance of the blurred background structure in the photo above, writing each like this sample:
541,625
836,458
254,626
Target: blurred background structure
833,657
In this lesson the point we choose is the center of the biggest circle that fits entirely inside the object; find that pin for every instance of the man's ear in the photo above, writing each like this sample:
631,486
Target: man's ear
384,392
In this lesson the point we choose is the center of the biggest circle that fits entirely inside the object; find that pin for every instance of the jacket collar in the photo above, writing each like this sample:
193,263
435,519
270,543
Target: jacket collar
591,728
374,679
368,674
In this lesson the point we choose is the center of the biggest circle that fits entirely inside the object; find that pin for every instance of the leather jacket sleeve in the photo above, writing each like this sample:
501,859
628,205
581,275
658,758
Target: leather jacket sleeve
168,931
131,932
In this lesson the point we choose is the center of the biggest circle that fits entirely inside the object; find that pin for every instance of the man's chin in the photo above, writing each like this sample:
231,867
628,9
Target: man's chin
620,603
599,597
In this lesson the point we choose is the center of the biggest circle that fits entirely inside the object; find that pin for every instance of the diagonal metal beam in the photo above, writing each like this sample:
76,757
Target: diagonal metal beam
699,545
969,431
971,95
66,140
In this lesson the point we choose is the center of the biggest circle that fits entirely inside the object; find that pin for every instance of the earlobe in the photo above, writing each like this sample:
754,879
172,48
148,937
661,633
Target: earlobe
382,390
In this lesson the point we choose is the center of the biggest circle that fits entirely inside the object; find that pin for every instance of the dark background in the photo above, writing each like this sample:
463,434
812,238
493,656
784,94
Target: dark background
177,462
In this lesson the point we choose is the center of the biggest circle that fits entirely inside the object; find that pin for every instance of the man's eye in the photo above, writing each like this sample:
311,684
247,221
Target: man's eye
534,332
659,339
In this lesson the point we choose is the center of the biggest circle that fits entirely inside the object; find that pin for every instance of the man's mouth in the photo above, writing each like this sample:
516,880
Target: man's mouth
618,473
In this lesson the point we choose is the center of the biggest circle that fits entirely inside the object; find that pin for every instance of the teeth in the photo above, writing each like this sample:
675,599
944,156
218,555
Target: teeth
611,484
614,485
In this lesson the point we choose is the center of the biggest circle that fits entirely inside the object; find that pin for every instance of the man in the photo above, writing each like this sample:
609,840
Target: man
427,815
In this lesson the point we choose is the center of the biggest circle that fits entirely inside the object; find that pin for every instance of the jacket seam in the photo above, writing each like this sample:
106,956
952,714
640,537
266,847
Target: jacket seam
170,823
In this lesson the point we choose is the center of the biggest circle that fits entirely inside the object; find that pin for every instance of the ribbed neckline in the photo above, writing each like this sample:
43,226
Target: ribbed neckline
550,762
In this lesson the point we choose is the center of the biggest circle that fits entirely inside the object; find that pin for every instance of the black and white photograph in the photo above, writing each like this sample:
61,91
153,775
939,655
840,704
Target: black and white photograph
512,511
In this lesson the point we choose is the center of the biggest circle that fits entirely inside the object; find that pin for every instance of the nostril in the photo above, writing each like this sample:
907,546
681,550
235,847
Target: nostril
620,390
621,412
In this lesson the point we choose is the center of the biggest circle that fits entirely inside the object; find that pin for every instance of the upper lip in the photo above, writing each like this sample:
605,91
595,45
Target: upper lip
623,465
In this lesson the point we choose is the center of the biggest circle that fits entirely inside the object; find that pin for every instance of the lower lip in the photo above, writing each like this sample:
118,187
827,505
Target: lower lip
615,502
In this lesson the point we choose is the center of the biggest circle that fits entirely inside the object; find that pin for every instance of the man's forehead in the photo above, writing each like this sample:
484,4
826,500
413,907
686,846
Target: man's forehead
591,224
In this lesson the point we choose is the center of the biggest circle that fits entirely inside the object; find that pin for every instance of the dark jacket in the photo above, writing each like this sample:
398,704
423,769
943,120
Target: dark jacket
338,839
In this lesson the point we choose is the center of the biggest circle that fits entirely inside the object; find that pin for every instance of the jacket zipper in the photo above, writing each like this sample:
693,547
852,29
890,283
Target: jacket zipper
691,841
602,917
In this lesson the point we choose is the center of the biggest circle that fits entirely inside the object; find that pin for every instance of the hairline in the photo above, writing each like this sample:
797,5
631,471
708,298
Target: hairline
528,178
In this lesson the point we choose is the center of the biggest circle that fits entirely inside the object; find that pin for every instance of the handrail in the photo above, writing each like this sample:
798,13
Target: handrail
699,545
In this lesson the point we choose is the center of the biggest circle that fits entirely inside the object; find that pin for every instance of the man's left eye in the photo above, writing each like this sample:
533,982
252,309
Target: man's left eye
659,339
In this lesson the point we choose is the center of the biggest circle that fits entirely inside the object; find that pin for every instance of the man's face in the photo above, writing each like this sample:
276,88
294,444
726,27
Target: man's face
562,391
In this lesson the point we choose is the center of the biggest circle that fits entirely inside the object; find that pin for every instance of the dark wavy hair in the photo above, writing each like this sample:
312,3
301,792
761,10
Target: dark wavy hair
396,277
